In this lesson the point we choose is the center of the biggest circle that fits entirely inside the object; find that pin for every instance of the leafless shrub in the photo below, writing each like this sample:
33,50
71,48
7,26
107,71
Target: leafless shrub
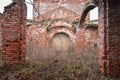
58,65
47,64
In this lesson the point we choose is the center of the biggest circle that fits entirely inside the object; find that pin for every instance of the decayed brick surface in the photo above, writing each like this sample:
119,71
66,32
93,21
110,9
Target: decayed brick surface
36,36
13,33
86,38
91,36
109,37
61,0
1,22
80,39
69,9
41,37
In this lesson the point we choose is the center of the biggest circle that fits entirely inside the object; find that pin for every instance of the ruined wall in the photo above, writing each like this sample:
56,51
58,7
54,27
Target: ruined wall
109,37
60,13
70,1
57,8
36,35
86,38
1,21
14,33
91,36
36,41
80,40
69,10
40,39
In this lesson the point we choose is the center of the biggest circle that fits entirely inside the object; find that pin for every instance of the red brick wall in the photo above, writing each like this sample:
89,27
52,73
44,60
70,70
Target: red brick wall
80,39
61,12
67,31
14,33
86,38
91,37
71,1
71,9
37,36
1,21
109,37
40,38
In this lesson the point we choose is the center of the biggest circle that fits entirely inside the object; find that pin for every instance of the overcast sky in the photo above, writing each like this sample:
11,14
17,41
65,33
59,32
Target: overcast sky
3,3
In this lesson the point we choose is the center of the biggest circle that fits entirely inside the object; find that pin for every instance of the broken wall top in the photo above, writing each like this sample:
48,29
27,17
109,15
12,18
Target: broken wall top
54,1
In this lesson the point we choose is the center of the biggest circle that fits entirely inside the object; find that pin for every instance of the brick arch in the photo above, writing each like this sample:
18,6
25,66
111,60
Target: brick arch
61,42
108,35
60,24
58,30
87,9
61,33
65,30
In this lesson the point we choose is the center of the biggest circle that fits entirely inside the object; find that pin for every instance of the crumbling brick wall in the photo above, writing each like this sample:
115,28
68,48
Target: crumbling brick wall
51,9
109,37
36,40
91,36
14,33
80,40
1,21
86,38
40,37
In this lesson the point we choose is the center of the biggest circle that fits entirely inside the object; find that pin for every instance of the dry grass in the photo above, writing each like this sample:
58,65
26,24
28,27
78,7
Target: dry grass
59,66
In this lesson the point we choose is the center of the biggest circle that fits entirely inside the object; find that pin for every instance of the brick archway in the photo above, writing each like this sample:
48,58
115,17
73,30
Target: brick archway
61,42
87,9
63,30
109,37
